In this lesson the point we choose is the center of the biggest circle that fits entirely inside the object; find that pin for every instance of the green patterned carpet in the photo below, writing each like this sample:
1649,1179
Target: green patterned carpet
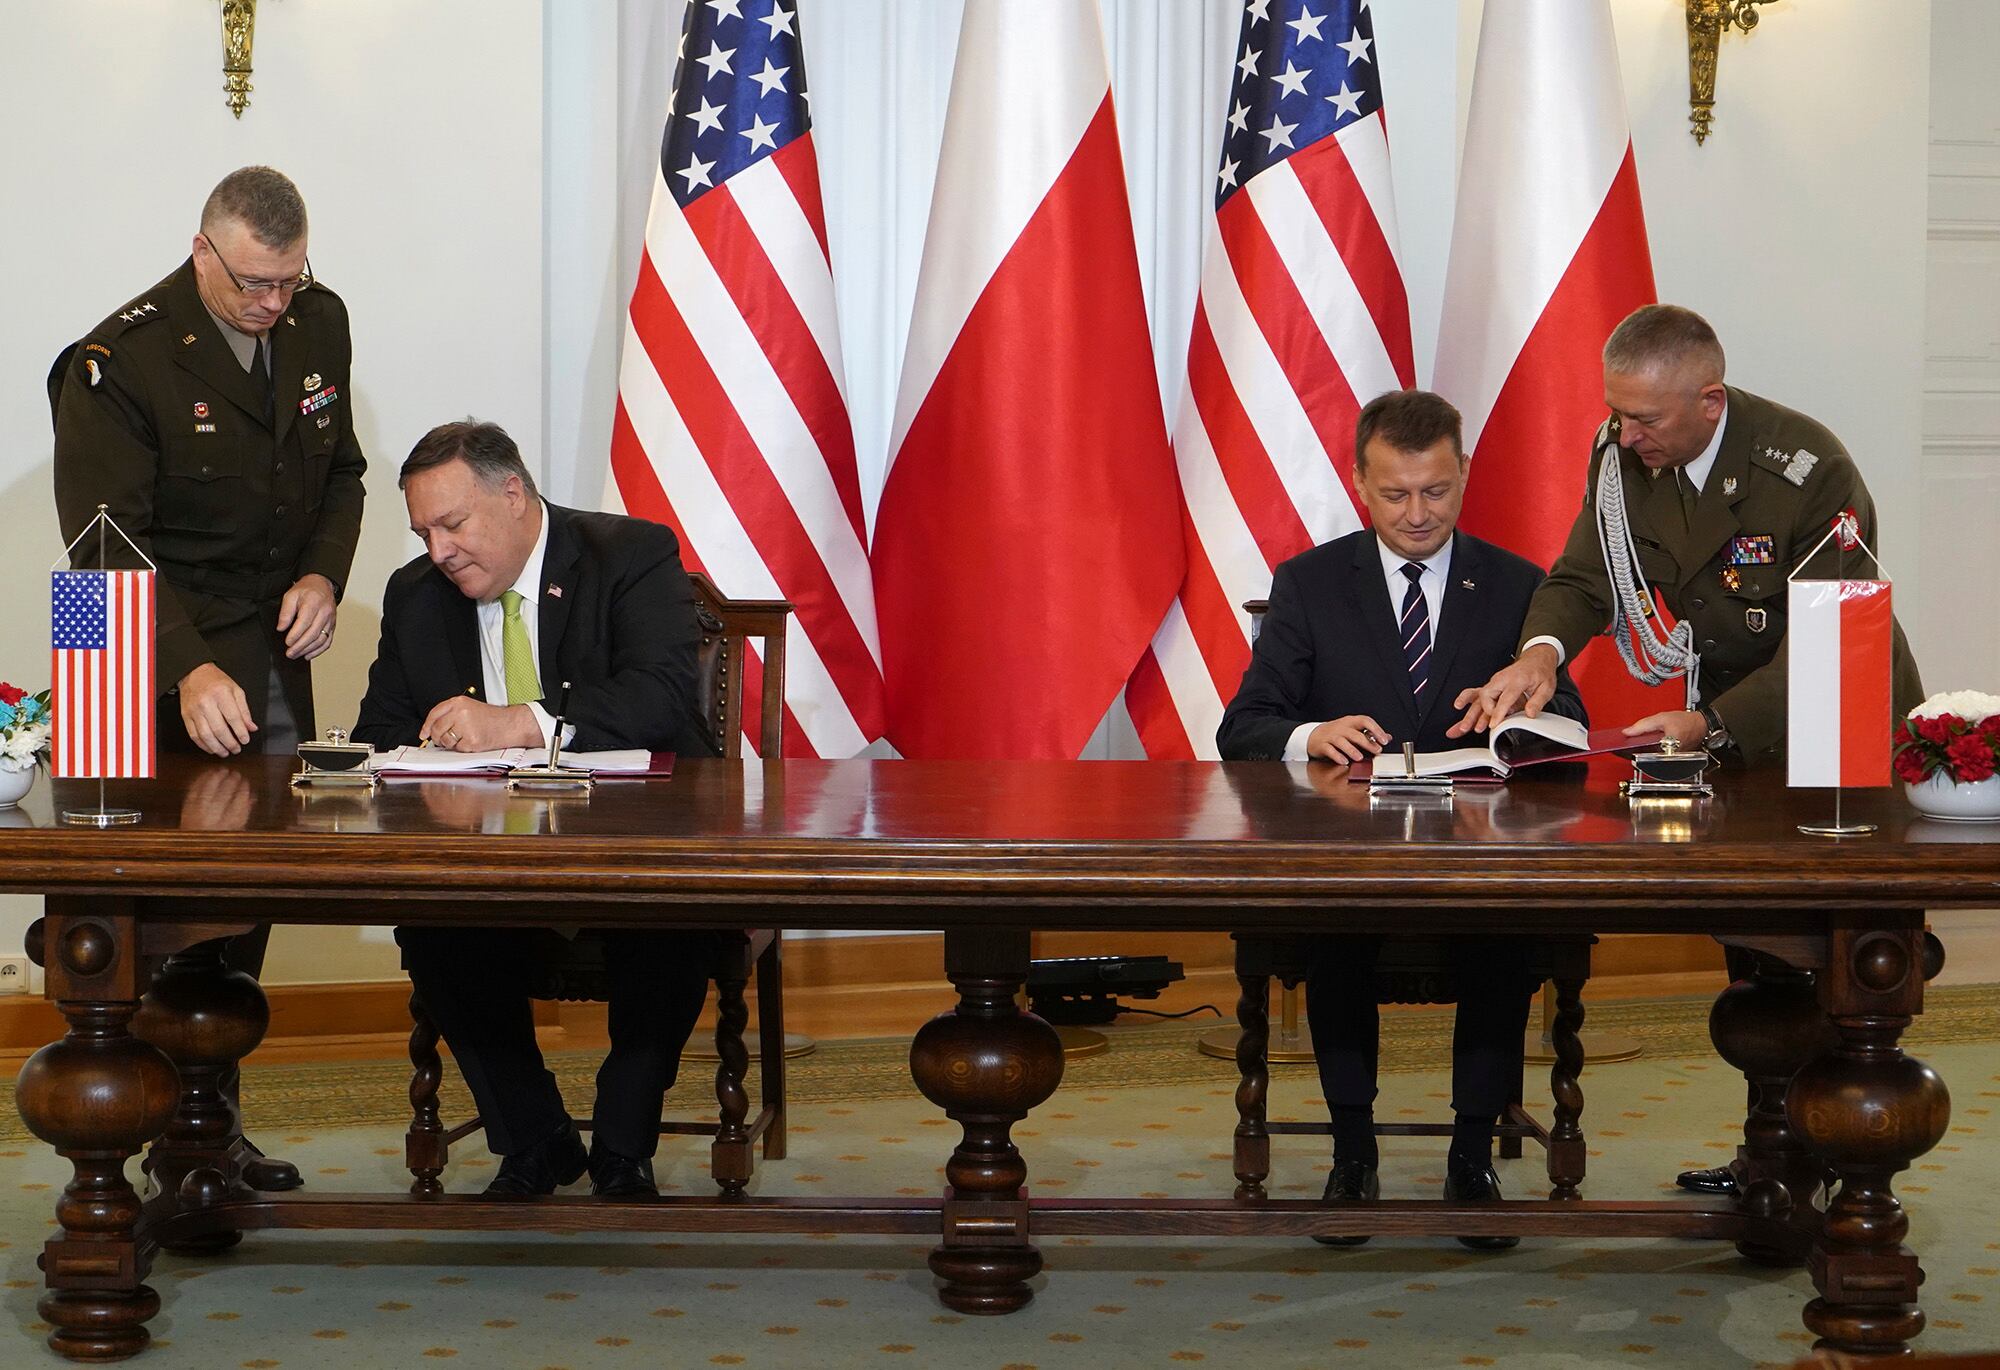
1150,1117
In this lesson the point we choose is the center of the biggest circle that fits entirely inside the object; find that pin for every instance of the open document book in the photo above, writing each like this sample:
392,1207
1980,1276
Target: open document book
414,761
1514,742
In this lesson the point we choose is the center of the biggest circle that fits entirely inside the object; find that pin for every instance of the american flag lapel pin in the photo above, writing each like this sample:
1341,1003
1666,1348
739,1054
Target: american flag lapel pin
555,590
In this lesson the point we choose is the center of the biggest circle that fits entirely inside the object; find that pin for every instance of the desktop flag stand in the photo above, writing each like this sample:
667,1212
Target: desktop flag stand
101,642
1838,720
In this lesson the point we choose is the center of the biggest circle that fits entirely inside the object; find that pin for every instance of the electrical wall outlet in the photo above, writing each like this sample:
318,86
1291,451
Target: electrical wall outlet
13,974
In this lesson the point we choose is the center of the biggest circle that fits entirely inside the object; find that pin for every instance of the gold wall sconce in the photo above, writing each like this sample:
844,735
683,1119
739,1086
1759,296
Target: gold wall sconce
1706,22
239,33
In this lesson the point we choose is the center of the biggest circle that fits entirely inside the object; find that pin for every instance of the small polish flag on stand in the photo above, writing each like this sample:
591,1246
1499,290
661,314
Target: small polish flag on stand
1838,637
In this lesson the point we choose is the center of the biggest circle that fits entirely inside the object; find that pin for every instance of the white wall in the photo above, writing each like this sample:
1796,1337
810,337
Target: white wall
415,133
1959,485
1799,228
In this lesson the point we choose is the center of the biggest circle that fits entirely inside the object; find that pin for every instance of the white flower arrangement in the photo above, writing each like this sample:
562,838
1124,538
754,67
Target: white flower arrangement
24,728
1971,705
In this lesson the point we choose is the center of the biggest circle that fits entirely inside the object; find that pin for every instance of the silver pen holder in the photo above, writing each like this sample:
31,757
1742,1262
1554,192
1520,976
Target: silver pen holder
335,764
1669,772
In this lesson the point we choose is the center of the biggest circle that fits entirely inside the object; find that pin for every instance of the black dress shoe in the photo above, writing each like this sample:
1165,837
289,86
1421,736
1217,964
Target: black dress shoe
267,1174
1352,1182
1720,1179
1476,1185
543,1168
613,1176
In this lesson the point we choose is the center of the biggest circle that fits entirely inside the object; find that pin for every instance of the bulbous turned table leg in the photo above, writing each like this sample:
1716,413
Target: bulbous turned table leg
1768,1025
96,1096
1868,1110
205,1017
986,1064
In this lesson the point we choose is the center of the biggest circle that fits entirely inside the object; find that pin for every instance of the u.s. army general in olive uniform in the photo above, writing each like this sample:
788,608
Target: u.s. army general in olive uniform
212,415
1726,494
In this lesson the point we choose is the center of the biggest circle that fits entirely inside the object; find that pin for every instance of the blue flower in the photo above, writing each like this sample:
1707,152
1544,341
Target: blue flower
7,716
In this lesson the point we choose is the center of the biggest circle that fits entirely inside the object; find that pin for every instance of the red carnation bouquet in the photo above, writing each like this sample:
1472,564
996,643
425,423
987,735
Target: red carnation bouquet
1955,734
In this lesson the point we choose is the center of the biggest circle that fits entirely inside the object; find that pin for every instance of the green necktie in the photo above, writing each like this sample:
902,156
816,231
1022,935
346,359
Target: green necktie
523,687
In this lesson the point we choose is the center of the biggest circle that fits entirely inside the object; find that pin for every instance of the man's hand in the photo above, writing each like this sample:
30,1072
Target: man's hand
215,711
305,617
1347,739
464,724
1529,681
1684,726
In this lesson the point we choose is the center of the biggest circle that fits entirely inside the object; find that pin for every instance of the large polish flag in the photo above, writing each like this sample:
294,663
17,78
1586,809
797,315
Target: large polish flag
1548,254
1028,537
1839,720
732,425
1301,320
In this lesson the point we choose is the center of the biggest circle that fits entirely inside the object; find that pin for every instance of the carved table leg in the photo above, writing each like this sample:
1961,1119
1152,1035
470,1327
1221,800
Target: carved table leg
730,1163
1768,1024
205,1017
96,1096
425,1150
986,1064
1566,1148
1868,1110
1253,1065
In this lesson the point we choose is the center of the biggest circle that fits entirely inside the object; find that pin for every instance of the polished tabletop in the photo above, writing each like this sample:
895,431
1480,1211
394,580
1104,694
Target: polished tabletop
882,832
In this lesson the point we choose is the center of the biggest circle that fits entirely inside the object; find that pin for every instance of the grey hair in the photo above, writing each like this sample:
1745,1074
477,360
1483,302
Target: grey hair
261,198
1668,335
485,447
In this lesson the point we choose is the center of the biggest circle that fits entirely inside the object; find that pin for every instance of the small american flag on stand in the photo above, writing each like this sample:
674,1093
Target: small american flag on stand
102,647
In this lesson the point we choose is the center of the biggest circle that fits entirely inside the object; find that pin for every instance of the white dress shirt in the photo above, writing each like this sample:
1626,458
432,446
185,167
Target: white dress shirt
492,626
1697,473
1437,571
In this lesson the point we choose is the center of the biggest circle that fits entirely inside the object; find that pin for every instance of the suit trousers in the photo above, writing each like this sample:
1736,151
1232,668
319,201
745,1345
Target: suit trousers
1495,991
474,983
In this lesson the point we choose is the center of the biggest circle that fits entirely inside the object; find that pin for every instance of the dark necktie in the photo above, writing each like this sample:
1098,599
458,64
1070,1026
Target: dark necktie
1416,629
260,376
1684,486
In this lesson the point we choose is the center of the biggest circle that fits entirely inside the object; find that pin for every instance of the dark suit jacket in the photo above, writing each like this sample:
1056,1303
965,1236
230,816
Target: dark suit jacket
622,631
1329,648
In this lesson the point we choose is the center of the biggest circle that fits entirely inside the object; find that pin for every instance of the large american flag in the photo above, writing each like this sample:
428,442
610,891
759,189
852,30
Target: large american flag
103,699
1302,319
732,425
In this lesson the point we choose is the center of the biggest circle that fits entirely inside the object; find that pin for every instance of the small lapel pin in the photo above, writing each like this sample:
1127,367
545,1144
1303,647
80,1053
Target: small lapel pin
555,591
1729,485
1466,585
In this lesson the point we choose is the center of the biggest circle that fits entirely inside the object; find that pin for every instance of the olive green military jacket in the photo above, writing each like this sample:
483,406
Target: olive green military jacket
156,419
1778,481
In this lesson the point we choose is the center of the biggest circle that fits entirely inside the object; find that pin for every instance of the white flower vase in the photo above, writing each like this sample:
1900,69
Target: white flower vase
14,786
1942,797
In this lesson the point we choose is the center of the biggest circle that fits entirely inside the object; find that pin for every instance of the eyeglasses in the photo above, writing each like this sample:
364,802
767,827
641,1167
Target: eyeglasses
261,287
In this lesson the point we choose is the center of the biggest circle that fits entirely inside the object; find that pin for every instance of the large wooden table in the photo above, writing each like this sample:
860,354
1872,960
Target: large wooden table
988,853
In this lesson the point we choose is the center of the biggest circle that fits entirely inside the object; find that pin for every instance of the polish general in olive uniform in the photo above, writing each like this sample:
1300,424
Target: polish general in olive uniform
212,415
1726,494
